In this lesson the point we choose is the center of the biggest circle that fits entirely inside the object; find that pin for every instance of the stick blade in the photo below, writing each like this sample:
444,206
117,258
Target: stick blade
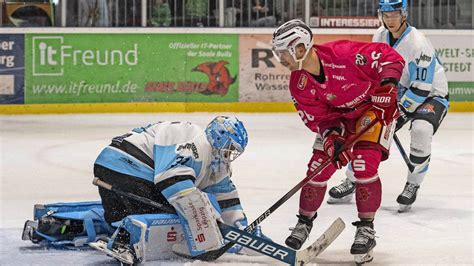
310,253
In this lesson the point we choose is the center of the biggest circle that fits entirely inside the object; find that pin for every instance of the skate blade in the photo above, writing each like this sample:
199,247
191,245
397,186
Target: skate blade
345,199
124,256
403,208
28,229
363,258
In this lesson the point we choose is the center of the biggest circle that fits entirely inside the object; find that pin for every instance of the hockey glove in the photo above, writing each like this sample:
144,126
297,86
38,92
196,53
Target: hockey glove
332,147
384,101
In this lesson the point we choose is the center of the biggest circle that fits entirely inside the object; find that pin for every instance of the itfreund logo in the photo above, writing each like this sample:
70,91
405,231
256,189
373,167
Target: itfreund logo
51,56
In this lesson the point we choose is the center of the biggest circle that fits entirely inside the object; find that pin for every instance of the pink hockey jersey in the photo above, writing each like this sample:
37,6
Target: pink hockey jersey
352,72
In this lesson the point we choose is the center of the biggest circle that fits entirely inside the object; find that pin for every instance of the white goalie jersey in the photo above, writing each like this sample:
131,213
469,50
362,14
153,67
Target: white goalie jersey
164,152
166,149
423,72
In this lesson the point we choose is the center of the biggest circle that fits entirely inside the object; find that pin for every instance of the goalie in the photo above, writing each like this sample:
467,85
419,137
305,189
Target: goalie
176,164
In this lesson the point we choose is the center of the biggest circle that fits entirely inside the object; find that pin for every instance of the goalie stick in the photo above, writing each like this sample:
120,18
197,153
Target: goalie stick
283,253
214,254
258,244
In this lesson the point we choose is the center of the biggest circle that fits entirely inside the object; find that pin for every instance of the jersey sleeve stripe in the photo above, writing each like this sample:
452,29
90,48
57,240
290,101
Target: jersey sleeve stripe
165,184
135,152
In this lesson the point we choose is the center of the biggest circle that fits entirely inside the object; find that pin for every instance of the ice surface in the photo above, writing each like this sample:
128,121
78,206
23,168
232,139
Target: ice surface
49,158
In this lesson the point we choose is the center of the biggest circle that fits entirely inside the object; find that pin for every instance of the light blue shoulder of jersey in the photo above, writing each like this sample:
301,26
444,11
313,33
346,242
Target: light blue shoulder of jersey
383,35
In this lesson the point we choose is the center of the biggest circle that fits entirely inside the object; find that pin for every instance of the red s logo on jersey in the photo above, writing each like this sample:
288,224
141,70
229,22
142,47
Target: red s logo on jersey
302,82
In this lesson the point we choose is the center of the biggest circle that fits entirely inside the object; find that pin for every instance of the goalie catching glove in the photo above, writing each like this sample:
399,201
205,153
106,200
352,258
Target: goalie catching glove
384,102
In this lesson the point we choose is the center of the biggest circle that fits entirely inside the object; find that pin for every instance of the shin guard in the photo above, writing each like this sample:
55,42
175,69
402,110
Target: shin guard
312,194
368,185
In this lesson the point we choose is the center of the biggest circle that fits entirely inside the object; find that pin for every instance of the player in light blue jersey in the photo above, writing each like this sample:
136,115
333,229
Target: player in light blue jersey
176,164
423,97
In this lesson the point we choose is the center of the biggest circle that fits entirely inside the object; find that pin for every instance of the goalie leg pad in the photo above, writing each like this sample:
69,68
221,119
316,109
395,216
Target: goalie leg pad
146,237
67,224
198,218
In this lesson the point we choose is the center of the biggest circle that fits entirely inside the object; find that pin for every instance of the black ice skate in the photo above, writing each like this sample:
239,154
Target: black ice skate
407,197
300,232
364,242
60,229
342,193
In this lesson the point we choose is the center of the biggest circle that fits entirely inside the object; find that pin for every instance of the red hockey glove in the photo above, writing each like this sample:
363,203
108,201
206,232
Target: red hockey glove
384,101
332,147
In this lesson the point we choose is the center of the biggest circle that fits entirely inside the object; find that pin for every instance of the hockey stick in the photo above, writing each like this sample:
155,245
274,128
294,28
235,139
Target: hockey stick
410,166
213,255
261,245
403,153
283,253
102,184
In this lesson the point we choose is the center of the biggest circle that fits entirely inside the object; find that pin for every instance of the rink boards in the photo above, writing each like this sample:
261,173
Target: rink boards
175,70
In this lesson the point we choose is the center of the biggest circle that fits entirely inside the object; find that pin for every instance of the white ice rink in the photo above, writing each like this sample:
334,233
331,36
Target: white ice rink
49,158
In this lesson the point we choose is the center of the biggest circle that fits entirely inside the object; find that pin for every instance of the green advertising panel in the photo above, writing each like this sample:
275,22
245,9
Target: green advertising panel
91,68
461,91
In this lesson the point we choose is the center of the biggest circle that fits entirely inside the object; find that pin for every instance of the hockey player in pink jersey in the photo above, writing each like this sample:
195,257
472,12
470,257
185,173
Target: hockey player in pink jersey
338,88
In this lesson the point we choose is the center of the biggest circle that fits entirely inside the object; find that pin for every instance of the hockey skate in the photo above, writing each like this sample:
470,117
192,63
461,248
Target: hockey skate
37,231
29,230
300,232
407,197
342,193
119,250
364,242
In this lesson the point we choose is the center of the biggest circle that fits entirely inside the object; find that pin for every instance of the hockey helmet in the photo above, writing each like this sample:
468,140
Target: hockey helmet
393,5
288,36
227,136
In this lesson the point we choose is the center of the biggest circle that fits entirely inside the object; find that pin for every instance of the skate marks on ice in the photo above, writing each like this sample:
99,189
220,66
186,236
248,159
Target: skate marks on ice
428,210
50,155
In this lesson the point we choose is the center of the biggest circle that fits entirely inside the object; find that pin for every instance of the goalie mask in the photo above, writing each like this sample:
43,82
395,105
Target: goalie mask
288,36
227,136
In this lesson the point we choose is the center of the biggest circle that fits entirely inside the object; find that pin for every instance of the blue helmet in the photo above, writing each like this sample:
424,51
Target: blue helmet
228,136
393,5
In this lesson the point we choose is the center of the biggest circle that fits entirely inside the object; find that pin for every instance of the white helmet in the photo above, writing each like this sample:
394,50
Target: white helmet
288,36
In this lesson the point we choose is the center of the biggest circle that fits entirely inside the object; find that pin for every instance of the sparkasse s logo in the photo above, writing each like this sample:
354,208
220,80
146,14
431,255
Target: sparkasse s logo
51,56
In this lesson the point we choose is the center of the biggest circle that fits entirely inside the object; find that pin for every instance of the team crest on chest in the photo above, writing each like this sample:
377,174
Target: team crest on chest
330,96
302,82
